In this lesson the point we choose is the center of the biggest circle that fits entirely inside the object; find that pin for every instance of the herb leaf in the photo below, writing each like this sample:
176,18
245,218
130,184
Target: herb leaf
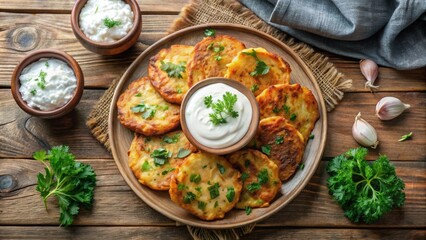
160,156
301,166
201,205
147,111
195,178
263,176
266,149
253,187
279,140
172,139
244,176
109,23
189,197
173,70
254,87
293,117
261,67
145,166
72,183
208,101
209,32
214,191
182,153
247,210
221,168
230,194
405,137
222,108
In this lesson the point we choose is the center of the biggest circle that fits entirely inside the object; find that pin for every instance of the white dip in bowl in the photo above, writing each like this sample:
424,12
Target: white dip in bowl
106,21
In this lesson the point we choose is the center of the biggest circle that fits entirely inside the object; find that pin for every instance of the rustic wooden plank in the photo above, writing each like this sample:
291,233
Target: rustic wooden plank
340,121
116,204
16,125
147,233
21,33
65,6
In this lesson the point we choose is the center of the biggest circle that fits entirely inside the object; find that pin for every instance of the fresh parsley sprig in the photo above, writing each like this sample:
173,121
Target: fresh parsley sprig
110,23
222,108
72,183
261,67
173,70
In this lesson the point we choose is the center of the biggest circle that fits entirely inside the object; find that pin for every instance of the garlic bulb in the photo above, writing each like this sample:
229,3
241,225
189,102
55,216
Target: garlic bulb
390,107
364,133
370,70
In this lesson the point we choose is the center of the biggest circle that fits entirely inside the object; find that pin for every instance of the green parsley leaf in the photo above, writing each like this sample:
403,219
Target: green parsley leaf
405,137
172,139
293,117
279,140
263,176
216,204
301,166
214,191
146,167
198,189
276,110
222,108
41,85
72,183
33,92
182,153
312,136
208,101
221,168
160,156
146,110
209,32
46,64
261,67
173,70
181,187
201,205
244,176
195,178
247,163
266,149
165,172
286,109
230,194
179,91
138,95
254,87
218,58
247,210
109,23
252,187
149,113
189,197
365,190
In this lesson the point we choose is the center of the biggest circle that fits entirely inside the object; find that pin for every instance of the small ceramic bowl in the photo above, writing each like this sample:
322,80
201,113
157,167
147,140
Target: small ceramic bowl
254,122
35,56
107,48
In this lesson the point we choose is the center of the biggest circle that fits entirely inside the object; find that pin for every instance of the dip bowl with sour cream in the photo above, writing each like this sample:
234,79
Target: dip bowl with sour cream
106,27
219,115
47,83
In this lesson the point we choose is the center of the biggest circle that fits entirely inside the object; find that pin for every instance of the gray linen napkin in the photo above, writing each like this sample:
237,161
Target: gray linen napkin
390,32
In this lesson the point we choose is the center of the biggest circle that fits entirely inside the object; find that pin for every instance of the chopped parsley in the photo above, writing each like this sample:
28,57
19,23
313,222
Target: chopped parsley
263,176
145,166
301,166
198,189
261,67
46,64
266,149
109,23
214,191
247,163
247,210
221,108
181,187
165,172
160,156
405,137
179,90
201,205
209,32
252,187
216,204
221,168
279,140
293,117
138,95
230,194
218,48
172,139
41,85
195,178
189,197
286,109
254,87
244,176
147,111
312,136
173,70
33,92
182,153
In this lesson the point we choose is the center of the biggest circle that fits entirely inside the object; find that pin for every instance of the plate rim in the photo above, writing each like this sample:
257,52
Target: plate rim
321,104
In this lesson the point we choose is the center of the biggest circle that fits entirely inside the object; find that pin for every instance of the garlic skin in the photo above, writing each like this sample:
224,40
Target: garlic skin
390,107
370,70
364,133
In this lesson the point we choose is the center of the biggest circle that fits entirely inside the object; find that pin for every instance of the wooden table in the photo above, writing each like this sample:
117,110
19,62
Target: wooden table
118,212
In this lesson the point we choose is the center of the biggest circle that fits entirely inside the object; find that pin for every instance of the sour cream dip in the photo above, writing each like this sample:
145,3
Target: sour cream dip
200,125
47,84
106,21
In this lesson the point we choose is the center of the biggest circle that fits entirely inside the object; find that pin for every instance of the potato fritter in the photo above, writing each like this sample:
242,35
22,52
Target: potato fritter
154,159
143,110
283,144
206,185
247,69
210,57
294,102
261,182
168,73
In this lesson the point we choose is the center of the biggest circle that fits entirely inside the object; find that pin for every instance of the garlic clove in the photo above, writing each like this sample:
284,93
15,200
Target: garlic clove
370,70
390,107
364,133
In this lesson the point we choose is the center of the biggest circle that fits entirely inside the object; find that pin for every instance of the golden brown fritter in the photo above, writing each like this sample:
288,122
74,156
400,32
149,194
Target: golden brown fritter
261,182
293,102
143,110
206,185
172,86
283,142
243,69
156,173
210,57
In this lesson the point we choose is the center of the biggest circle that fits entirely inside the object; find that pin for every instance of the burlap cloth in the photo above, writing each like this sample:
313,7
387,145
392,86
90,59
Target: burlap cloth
331,81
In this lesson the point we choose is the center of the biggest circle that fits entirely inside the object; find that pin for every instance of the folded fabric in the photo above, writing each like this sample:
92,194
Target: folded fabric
390,32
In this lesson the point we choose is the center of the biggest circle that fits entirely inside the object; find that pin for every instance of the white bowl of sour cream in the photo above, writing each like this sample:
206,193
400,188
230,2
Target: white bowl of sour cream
106,27
219,115
47,83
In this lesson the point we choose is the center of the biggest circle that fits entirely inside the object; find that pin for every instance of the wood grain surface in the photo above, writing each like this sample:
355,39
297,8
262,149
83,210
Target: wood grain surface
118,212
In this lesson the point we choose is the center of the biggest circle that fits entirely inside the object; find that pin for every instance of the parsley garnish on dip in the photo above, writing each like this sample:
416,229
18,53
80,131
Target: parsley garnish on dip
218,115
47,84
106,20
